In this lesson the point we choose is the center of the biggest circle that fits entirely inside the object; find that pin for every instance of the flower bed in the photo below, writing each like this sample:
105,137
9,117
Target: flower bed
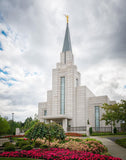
12,136
78,144
57,153
74,134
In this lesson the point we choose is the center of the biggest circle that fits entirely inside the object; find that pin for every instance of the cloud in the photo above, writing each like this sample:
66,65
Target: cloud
35,33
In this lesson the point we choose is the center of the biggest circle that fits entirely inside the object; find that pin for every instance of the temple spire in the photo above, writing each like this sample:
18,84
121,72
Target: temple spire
67,17
67,41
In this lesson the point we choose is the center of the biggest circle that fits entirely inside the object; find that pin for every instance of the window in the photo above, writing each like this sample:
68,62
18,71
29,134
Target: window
45,112
64,57
62,95
97,118
76,82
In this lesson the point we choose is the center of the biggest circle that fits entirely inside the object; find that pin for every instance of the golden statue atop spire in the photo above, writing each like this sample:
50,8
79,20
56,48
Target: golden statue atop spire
67,17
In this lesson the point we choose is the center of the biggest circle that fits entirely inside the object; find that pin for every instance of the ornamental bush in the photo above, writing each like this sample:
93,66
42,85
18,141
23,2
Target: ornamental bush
23,143
49,131
44,146
37,144
54,131
78,144
19,140
90,130
27,147
38,130
5,144
10,147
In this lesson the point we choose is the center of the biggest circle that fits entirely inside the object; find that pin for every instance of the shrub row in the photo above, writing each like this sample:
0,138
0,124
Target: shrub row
9,146
21,143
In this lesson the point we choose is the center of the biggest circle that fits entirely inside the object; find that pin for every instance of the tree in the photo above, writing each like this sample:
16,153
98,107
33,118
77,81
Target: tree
38,130
49,131
13,126
114,113
35,117
29,122
4,126
111,115
122,111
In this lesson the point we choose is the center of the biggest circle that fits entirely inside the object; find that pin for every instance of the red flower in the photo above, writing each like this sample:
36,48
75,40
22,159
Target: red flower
57,153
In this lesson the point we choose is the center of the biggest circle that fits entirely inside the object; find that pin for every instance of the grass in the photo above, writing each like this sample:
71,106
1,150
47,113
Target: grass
113,136
107,134
121,142
12,158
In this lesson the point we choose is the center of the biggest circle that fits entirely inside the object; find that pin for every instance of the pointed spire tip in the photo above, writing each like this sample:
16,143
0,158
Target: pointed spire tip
67,17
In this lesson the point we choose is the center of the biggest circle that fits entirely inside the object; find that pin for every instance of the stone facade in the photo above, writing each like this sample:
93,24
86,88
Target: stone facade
69,103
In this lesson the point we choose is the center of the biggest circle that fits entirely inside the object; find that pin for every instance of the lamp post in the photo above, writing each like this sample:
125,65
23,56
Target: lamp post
12,123
12,116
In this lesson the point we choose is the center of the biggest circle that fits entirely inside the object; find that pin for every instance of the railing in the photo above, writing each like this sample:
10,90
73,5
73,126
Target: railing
72,129
121,129
102,129
107,129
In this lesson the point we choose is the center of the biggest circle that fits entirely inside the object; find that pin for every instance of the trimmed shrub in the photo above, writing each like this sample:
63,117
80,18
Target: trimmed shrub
27,147
84,135
37,144
19,140
9,148
23,143
44,146
6,144
101,133
92,139
90,130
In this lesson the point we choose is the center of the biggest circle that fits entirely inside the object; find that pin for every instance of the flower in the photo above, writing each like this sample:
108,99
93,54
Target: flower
57,153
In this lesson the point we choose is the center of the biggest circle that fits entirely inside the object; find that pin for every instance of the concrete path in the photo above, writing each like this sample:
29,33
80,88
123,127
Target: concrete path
114,149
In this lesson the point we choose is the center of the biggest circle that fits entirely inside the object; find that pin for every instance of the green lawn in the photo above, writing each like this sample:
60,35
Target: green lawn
105,136
12,158
121,142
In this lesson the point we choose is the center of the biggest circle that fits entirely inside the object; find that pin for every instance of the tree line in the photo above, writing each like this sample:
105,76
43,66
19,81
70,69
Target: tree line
113,114
9,126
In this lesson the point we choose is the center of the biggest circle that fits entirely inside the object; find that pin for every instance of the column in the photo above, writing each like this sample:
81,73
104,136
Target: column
65,124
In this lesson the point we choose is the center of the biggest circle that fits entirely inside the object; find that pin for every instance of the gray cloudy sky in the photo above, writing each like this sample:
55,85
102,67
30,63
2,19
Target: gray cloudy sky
31,39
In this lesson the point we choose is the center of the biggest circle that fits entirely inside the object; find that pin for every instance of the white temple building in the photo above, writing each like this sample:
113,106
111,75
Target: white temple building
69,103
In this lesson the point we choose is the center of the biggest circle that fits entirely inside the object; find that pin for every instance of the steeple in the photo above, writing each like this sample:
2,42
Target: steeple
67,41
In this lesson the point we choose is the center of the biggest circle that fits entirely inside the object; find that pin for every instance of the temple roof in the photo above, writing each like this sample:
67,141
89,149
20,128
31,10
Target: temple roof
67,41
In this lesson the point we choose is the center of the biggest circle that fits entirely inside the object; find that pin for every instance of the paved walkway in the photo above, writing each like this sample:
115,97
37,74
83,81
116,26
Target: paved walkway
114,149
